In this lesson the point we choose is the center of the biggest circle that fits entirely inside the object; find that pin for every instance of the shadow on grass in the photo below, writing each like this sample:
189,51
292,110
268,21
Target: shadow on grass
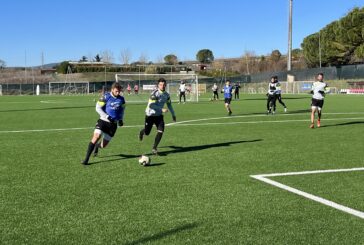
163,234
181,149
343,124
175,149
283,98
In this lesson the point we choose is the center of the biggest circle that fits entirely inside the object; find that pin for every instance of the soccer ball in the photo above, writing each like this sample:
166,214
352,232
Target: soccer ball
144,160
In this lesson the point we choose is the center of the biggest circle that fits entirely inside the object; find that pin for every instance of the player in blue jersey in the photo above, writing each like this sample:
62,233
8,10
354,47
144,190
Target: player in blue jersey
111,108
228,95
154,113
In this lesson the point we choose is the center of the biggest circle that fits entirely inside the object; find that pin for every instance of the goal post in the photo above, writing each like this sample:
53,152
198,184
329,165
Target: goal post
69,88
148,82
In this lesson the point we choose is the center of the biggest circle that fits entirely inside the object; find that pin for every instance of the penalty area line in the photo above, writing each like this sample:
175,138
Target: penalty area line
264,178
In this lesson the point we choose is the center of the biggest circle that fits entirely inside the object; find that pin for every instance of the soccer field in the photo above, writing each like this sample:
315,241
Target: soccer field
200,190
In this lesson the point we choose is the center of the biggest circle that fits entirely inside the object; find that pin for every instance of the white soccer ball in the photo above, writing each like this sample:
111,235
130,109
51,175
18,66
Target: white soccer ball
144,160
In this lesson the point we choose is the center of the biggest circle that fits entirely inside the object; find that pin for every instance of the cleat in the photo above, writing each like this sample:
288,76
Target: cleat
285,109
312,125
84,162
273,112
318,123
155,151
230,112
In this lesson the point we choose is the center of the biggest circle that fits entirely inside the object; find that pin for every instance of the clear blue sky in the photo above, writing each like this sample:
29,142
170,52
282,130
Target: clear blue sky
69,29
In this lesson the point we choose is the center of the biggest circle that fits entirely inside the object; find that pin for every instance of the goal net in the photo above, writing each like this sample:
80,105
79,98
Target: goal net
69,88
146,83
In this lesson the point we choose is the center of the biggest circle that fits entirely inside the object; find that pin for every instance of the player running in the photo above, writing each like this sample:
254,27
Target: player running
228,90
279,93
154,113
318,90
272,96
111,108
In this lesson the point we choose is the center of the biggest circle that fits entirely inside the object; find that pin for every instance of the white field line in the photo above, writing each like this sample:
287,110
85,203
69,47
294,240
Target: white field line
182,123
263,177
264,115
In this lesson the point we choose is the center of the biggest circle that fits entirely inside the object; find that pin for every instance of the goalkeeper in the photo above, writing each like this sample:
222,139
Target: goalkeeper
111,108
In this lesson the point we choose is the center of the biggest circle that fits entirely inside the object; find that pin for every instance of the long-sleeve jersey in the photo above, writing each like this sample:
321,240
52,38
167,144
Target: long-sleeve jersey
156,103
272,88
110,106
228,90
182,87
278,88
319,89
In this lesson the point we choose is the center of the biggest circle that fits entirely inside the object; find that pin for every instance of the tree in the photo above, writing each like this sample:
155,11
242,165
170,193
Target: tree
83,59
143,58
275,56
97,58
2,64
63,67
337,42
170,59
205,56
107,56
125,56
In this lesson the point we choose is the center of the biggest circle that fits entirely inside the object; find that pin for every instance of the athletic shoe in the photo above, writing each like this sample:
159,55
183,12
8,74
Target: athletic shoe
285,109
230,112
141,136
273,112
84,162
97,146
312,125
318,123
154,151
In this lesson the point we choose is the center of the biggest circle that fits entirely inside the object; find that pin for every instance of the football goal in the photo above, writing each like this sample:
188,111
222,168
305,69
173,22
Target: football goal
146,83
69,88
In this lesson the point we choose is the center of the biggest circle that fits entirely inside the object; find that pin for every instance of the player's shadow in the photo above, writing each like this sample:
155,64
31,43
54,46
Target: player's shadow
121,157
163,234
181,149
343,124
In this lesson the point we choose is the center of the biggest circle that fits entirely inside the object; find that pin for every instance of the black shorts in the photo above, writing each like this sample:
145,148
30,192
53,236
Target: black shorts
227,101
106,127
215,92
317,103
151,120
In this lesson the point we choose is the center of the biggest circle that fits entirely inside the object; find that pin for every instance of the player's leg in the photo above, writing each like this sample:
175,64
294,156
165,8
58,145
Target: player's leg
91,146
160,129
319,110
313,110
148,124
281,102
184,97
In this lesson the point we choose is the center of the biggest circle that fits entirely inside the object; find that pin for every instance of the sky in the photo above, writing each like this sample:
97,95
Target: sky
69,29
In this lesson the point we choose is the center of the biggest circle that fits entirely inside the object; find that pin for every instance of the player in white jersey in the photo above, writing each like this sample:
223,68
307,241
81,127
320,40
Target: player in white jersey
319,88
154,113
182,92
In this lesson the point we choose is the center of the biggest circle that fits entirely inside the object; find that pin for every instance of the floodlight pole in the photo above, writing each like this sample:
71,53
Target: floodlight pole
319,39
289,58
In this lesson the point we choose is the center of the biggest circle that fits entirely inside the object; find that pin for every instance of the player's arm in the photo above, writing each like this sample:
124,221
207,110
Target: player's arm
170,107
100,108
121,120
